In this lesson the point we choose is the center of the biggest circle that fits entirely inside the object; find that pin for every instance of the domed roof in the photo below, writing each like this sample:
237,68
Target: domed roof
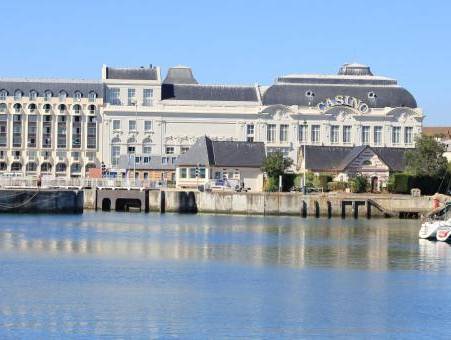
355,70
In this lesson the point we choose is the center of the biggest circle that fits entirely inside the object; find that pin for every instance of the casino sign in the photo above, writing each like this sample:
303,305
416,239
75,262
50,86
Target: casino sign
344,101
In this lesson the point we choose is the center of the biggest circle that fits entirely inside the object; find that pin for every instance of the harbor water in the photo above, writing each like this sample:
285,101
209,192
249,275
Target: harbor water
220,276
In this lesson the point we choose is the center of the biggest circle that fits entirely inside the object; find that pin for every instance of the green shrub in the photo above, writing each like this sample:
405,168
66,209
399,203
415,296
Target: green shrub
272,184
359,184
322,181
402,183
337,186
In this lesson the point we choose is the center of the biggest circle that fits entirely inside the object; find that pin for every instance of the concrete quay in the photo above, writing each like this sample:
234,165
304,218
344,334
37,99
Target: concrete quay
296,204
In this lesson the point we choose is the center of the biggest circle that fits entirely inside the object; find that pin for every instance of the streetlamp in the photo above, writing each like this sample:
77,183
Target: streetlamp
304,140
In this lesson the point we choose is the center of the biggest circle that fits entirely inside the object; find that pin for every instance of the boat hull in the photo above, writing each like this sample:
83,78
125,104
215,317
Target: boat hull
444,234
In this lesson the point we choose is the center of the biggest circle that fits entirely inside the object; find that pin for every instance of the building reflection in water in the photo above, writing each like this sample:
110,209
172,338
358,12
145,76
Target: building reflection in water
375,244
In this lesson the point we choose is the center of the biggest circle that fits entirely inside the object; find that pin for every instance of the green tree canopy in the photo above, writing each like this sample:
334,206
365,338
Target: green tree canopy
275,164
427,158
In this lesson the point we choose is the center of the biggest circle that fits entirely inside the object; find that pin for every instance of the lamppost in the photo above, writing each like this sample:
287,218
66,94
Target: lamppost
304,140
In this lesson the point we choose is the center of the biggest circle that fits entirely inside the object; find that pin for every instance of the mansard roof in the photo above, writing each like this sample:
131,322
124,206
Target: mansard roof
180,75
209,92
70,86
138,73
210,152
336,158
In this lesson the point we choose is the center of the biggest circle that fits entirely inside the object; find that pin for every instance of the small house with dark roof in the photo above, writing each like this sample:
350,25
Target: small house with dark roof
222,164
375,163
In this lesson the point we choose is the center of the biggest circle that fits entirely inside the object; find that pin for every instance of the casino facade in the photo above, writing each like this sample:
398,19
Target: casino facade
65,127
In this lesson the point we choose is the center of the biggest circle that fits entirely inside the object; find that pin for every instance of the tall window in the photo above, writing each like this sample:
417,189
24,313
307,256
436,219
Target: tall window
347,134
147,97
334,134
131,97
302,134
115,154
283,133
3,131
250,129
116,124
17,131
114,96
132,125
148,125
270,133
32,131
61,141
315,133
76,132
377,135
92,133
47,131
408,135
395,136
365,134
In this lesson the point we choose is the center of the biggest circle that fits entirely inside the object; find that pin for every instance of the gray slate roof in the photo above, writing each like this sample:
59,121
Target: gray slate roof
209,92
54,85
336,158
223,153
295,94
180,75
139,73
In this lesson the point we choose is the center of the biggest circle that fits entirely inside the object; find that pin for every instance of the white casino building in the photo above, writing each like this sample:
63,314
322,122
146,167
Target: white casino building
63,127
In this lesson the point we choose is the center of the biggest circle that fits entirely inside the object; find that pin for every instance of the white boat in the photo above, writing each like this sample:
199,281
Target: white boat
429,229
439,218
443,233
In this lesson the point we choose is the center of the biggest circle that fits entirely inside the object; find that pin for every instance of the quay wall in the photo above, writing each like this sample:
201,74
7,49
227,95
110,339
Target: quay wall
297,204
51,201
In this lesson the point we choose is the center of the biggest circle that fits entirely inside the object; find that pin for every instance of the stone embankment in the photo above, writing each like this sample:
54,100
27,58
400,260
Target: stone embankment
314,205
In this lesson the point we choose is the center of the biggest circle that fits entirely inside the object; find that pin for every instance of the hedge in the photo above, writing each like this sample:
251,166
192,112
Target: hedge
402,183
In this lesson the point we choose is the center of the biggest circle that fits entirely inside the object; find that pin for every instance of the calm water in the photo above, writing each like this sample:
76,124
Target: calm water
188,276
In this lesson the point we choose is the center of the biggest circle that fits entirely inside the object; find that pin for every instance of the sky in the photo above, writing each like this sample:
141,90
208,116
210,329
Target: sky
236,42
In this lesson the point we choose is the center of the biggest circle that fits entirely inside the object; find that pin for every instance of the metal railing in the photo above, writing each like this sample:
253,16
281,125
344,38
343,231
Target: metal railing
79,183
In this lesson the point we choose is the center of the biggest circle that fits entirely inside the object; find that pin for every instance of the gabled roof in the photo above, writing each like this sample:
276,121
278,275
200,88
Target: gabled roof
336,158
209,152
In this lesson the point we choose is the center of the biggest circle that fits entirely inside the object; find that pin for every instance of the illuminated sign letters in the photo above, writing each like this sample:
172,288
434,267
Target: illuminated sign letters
344,101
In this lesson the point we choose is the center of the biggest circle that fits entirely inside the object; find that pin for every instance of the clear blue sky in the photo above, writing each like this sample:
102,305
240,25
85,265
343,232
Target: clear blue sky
241,42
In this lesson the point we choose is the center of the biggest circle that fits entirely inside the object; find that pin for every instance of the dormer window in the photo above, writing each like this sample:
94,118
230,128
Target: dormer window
48,95
92,96
62,96
77,96
309,94
33,95
3,107
3,94
18,95
372,95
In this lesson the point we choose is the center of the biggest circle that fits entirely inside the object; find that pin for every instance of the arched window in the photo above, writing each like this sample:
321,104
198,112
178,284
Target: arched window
3,107
131,140
32,107
147,146
62,108
75,168
3,94
77,96
48,95
33,95
17,95
46,167
92,96
47,108
62,96
3,166
92,109
17,107
116,140
16,166
31,166
77,109
61,167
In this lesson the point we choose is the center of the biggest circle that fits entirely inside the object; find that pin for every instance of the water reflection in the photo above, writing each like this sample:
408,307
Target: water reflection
377,244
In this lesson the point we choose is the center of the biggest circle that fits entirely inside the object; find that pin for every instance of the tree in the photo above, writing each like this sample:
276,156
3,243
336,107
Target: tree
427,158
275,164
